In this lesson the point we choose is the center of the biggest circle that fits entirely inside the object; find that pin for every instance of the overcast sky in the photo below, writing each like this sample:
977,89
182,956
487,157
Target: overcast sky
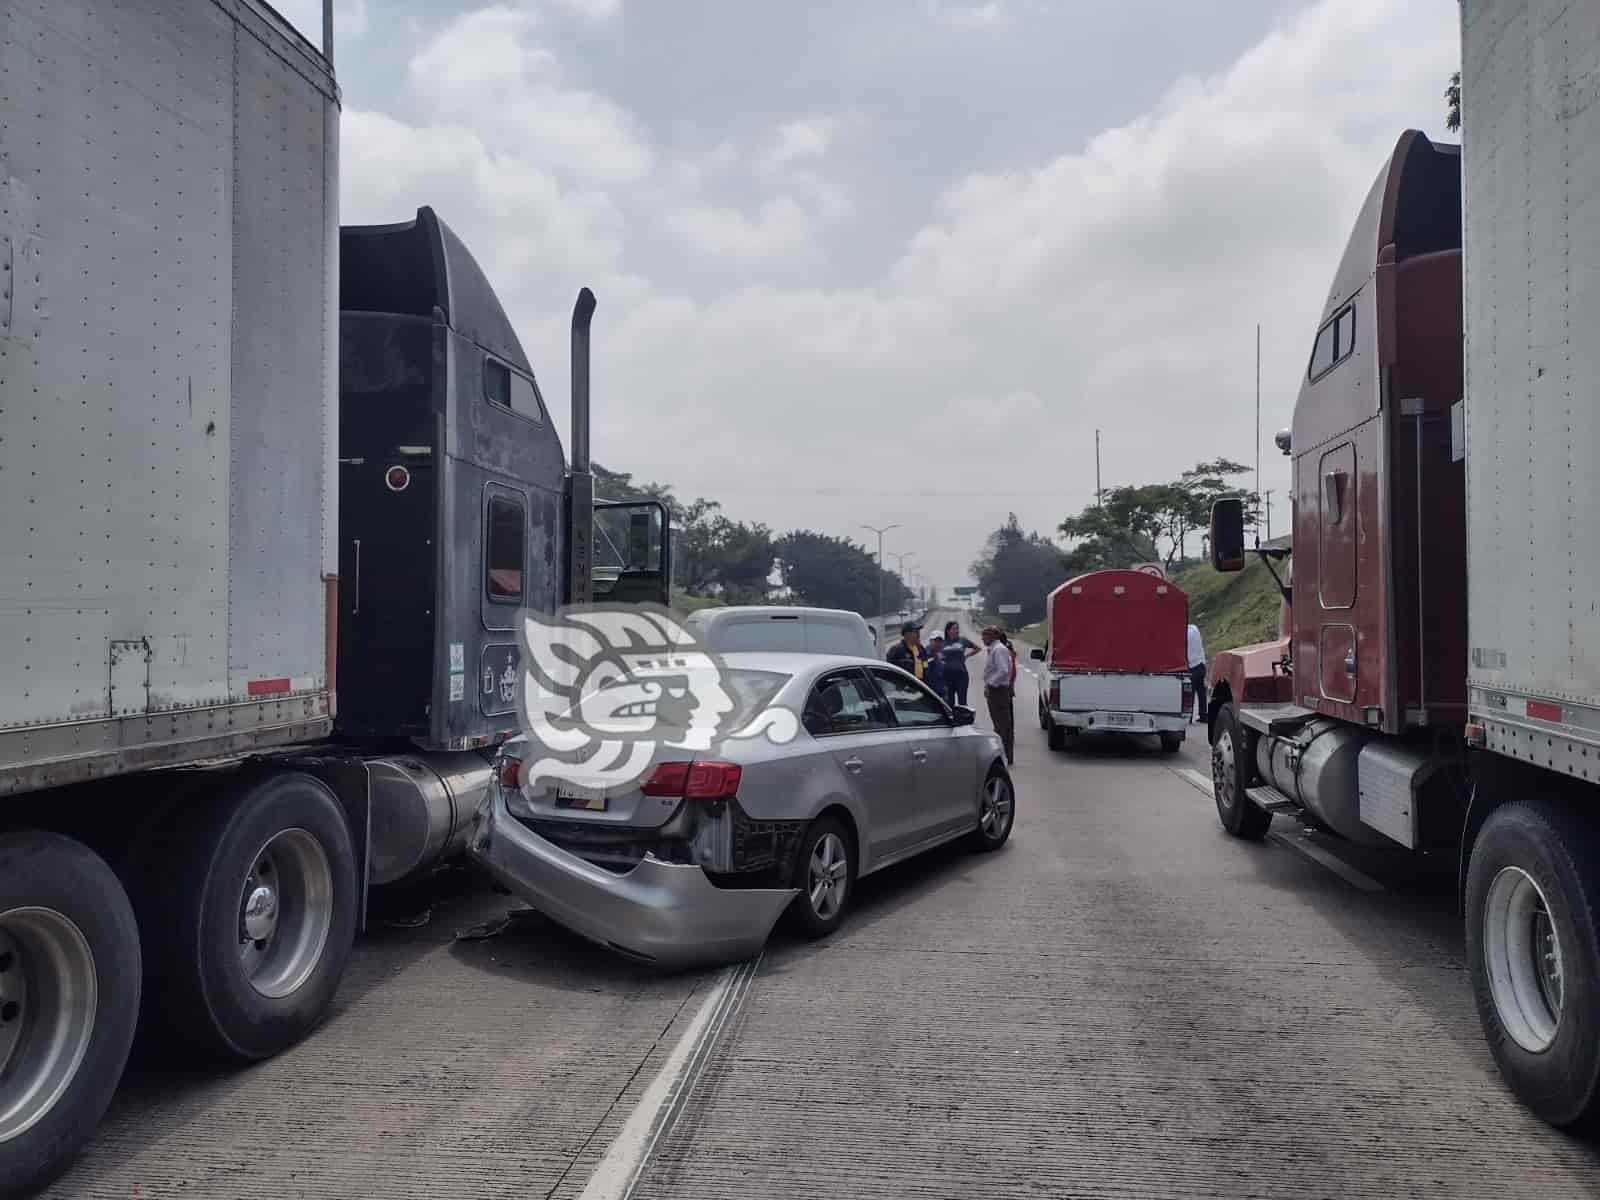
894,261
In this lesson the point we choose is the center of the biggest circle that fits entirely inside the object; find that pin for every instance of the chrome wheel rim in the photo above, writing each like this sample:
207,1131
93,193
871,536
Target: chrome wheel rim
285,912
49,994
994,815
1523,955
829,876
1222,773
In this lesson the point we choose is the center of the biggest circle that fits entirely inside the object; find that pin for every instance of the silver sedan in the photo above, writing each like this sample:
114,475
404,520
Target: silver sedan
836,767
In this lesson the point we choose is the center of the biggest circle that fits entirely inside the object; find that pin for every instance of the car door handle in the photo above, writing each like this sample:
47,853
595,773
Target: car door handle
920,755
853,765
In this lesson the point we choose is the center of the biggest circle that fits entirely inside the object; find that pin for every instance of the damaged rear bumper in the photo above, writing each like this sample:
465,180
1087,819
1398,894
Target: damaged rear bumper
665,913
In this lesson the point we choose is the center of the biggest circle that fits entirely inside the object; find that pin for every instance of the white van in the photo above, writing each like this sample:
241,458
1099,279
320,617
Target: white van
776,627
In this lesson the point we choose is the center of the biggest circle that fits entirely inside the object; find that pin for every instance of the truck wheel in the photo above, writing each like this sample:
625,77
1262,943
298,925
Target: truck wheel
69,995
1171,743
1057,737
260,913
1044,716
1240,815
1533,947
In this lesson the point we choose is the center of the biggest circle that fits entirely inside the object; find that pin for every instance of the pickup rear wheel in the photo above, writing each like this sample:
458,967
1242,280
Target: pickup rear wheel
1056,737
1171,743
1044,716
1533,949
69,996
1230,770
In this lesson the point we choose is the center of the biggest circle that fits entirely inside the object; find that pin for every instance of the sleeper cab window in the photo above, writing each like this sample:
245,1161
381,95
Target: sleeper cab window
503,550
1335,342
511,389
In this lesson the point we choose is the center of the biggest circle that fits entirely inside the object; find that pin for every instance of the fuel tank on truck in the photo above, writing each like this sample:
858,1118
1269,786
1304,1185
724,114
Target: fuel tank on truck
1319,767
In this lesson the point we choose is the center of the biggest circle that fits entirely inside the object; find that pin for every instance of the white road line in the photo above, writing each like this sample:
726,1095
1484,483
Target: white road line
1301,845
652,1118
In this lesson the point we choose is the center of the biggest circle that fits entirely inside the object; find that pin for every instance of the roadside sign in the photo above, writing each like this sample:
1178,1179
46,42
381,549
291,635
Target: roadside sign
1010,609
966,591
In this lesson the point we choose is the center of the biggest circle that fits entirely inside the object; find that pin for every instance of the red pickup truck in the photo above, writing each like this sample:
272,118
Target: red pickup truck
1116,660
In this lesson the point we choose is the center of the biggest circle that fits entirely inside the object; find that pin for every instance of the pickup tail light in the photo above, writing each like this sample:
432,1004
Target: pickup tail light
1055,693
694,780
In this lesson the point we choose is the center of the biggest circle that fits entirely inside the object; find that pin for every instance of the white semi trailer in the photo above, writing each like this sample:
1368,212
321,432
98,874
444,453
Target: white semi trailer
245,456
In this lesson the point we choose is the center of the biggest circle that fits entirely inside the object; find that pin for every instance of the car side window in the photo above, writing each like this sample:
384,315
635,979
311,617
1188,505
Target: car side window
913,705
843,702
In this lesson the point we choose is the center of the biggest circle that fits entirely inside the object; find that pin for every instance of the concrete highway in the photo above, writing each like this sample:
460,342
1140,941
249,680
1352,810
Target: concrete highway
1122,1002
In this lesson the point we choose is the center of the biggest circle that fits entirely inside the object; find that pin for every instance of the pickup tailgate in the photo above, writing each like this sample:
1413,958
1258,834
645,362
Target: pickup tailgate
1091,690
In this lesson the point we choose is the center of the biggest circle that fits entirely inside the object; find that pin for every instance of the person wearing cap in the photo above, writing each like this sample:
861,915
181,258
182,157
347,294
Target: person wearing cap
907,653
999,670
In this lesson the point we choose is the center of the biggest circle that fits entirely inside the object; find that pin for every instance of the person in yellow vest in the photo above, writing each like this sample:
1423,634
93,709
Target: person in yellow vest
907,653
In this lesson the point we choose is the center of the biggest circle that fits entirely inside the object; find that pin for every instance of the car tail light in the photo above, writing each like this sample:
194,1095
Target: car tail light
713,781
1055,693
666,780
695,780
509,772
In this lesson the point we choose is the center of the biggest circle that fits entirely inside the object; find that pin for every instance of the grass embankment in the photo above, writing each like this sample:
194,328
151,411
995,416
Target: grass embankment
1238,609
686,604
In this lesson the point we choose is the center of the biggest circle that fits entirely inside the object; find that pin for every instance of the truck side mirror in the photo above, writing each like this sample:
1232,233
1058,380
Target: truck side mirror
1227,534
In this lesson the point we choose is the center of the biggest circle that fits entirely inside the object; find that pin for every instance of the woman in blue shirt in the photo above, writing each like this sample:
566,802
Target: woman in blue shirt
953,657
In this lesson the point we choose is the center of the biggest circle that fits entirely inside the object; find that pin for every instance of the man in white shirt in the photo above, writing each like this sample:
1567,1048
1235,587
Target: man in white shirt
999,667
1197,670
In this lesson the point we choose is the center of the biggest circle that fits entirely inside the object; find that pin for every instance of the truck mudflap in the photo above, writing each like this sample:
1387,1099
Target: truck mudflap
670,914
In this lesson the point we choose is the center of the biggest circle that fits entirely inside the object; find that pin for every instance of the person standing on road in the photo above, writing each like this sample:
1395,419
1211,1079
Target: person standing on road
935,677
907,653
957,650
1197,671
999,667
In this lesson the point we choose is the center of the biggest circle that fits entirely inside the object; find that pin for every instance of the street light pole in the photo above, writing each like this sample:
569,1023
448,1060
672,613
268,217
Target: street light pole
880,532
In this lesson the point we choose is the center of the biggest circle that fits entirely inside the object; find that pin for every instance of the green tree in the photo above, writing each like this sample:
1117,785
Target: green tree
1019,568
1452,101
834,572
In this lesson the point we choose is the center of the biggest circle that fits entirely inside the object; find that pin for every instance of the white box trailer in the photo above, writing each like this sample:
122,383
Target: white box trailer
168,361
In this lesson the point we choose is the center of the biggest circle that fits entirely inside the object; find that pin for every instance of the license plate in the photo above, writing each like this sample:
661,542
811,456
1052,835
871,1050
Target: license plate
577,795
1127,719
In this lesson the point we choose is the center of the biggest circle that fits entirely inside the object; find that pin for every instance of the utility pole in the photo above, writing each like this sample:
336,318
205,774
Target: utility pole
900,564
1258,424
880,533
1097,467
1268,494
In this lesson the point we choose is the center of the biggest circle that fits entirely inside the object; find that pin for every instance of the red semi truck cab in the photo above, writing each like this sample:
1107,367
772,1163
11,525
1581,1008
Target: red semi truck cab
1116,660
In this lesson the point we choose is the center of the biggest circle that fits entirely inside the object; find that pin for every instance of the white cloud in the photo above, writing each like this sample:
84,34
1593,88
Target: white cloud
966,14
1113,285
486,70
592,12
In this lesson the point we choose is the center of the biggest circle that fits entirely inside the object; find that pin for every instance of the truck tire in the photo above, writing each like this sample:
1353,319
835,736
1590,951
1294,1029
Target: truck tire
258,896
1533,948
1056,737
1239,815
1171,743
1044,716
69,996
